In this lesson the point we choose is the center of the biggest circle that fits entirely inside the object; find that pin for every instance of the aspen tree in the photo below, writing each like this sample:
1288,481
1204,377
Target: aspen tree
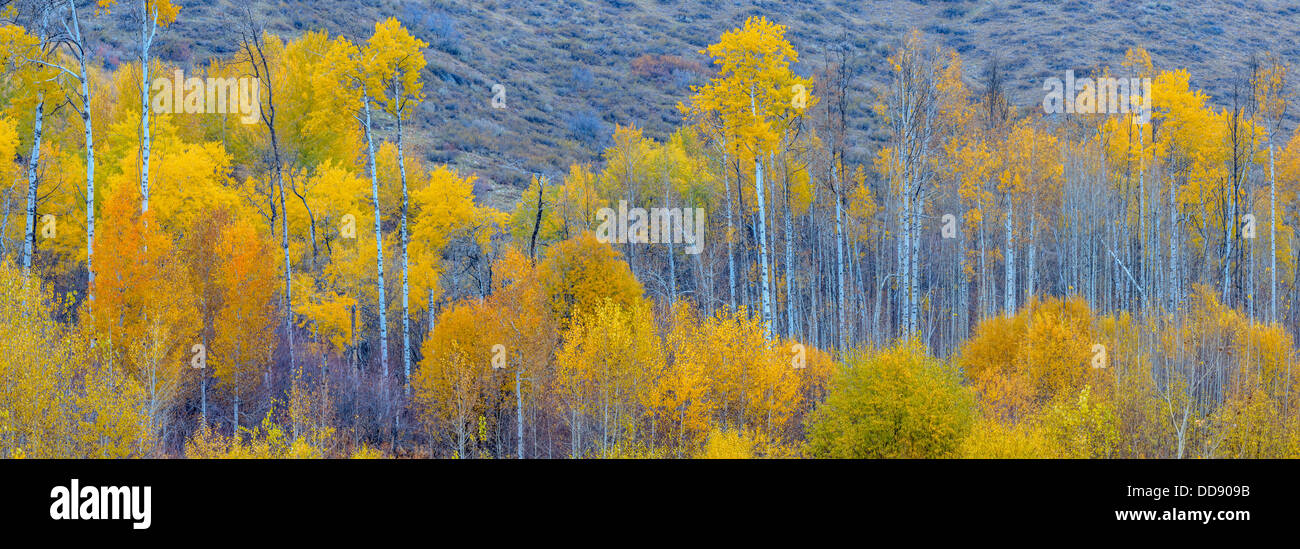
150,16
399,55
753,91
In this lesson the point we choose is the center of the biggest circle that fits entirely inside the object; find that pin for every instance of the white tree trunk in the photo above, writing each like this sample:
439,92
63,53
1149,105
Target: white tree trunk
672,259
731,254
1229,236
4,228
839,262
789,265
288,268
379,238
1272,237
1030,275
904,276
519,413
766,283
148,29
406,266
1009,260
33,163
90,185
984,303
236,411
1143,268
914,269
1174,291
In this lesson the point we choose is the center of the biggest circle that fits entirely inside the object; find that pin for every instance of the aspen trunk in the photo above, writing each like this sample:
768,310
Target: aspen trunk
1174,291
1229,235
789,264
904,276
90,184
984,285
766,283
519,414
1009,261
148,29
406,264
672,259
914,269
1272,237
1033,248
839,263
4,228
731,254
379,238
284,244
33,163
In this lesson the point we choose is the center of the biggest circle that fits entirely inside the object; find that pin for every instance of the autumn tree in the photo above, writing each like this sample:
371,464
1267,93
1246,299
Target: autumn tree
66,37
894,403
150,16
35,82
147,309
611,353
398,61
754,90
453,376
60,396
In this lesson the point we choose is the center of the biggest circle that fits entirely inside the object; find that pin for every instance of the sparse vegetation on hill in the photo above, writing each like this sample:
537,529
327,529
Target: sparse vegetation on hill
572,66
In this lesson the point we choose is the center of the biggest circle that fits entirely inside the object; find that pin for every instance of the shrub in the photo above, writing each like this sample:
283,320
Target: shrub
587,128
660,68
727,444
439,26
895,403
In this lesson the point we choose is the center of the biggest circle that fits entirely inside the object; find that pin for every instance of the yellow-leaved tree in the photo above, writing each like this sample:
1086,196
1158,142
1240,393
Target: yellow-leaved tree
60,397
756,96
453,379
611,357
892,403
9,171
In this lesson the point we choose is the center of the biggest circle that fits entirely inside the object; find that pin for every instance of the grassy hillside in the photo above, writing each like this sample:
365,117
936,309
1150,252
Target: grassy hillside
575,68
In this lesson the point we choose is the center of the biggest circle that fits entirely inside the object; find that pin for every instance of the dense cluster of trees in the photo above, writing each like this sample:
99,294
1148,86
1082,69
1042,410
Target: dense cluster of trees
993,283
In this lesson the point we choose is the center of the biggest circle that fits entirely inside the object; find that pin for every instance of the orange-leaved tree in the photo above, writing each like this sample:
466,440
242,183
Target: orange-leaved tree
145,307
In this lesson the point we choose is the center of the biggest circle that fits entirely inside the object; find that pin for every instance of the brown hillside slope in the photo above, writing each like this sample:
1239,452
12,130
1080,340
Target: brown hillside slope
572,69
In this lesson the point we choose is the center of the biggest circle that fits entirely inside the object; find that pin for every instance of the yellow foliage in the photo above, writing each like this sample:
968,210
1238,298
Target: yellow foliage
610,357
144,308
266,441
1019,362
581,273
366,452
451,383
892,403
1082,425
992,439
60,397
727,444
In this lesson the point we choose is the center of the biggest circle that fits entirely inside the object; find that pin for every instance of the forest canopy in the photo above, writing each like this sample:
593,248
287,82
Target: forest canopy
295,277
